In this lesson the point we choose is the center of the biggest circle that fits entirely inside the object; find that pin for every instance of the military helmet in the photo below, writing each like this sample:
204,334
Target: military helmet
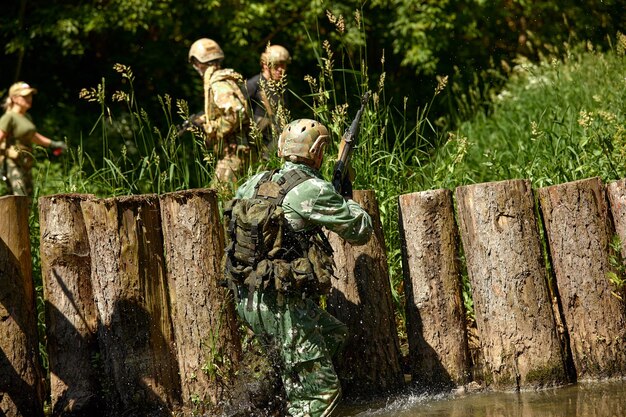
275,54
205,50
299,137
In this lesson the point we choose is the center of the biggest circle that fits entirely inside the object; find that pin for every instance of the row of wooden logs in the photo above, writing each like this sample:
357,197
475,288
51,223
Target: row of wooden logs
134,283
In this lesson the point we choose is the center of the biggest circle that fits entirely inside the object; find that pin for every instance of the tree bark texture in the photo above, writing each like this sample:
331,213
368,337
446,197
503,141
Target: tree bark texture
579,232
361,298
128,280
435,314
71,318
616,192
21,375
506,269
203,314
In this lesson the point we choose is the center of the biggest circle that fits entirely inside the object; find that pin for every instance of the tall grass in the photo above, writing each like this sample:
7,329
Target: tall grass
558,120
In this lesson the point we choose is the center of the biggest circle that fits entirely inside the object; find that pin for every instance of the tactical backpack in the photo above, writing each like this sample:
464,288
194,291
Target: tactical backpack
263,251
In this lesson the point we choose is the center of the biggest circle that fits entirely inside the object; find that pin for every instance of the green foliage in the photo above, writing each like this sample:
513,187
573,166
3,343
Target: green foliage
617,277
557,121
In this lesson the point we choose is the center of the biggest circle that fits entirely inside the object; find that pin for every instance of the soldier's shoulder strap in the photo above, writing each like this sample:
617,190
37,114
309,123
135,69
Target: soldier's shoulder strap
276,192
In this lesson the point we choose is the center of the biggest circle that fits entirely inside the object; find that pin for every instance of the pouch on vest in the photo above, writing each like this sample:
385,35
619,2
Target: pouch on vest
262,251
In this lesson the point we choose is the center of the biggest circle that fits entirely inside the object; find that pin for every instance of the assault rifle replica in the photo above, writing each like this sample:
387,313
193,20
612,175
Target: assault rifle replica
194,120
346,147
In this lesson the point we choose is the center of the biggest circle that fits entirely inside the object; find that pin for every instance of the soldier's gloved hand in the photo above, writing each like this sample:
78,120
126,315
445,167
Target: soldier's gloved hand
58,147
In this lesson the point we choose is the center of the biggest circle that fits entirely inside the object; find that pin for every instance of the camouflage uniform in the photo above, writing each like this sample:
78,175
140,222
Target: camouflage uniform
16,156
265,97
305,336
226,122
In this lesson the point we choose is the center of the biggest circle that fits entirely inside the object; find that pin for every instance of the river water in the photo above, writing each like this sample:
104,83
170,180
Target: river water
600,399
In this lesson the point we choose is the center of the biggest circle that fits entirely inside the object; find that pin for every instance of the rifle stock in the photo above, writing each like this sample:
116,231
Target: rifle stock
346,147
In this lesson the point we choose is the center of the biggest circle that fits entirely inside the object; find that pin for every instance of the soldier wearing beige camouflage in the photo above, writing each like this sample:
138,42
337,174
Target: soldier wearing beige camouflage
17,135
225,119
305,336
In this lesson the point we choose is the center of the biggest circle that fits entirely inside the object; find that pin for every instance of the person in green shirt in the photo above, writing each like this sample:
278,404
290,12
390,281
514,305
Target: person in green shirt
290,322
17,134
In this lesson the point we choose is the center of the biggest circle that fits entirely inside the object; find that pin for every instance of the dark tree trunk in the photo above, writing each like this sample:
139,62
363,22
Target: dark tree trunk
203,315
506,269
128,279
361,298
21,375
579,232
432,282
71,318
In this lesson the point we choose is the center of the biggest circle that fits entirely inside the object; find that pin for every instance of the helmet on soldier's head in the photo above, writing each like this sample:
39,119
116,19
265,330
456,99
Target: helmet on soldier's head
303,140
205,50
275,54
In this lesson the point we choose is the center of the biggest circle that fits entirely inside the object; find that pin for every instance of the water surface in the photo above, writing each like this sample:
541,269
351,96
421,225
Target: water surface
601,399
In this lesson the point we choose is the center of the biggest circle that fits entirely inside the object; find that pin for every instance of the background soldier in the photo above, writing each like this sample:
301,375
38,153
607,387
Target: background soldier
266,94
17,134
277,288
225,110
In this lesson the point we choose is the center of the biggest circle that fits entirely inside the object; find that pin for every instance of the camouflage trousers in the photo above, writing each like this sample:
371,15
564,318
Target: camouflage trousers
306,338
18,179
234,163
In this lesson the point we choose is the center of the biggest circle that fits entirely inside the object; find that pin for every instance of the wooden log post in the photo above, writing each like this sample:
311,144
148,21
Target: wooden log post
204,318
361,298
21,376
616,192
579,233
71,318
506,269
128,280
435,316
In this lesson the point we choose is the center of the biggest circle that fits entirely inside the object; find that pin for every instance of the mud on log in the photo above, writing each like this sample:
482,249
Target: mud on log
435,316
71,318
205,325
21,376
128,280
361,298
512,304
579,233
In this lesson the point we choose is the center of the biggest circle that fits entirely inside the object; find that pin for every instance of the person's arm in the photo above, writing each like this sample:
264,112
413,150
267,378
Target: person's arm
39,139
320,204
46,142
3,135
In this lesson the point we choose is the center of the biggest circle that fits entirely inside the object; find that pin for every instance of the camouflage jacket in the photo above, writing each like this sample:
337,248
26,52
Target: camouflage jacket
225,107
316,203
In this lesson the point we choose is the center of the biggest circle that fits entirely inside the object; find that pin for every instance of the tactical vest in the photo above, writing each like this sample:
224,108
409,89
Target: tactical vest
264,252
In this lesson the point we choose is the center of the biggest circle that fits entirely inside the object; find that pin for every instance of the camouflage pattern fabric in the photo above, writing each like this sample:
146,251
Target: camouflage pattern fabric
315,203
16,150
19,179
305,336
226,121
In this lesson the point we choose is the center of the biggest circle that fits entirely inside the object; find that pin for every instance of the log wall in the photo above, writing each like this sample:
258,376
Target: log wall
205,328
21,375
432,282
141,276
71,317
511,300
579,231
361,298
